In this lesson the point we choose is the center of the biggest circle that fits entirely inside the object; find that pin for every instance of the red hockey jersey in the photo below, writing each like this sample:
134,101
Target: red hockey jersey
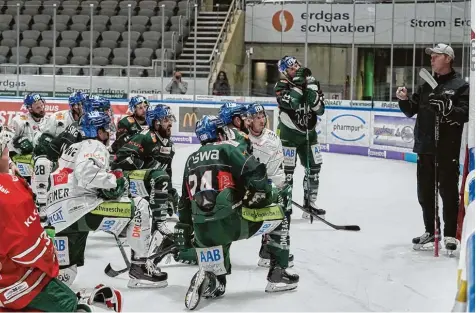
27,255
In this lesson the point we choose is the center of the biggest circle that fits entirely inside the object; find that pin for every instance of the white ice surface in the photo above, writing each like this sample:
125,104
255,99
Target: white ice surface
371,270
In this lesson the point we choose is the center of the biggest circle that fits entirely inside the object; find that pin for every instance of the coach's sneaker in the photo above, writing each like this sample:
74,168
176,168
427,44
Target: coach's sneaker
451,244
425,242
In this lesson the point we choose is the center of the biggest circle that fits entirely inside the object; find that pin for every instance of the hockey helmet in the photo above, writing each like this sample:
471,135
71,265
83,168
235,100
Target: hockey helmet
31,99
286,63
207,128
158,112
77,98
135,101
91,122
231,109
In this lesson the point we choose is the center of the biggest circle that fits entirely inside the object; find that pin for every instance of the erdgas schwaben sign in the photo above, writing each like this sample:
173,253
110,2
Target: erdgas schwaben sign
372,24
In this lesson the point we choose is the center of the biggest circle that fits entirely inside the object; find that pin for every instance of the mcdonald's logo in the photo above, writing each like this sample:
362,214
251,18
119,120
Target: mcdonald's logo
191,118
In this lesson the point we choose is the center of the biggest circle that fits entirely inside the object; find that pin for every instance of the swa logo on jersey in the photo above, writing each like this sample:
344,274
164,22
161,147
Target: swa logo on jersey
210,256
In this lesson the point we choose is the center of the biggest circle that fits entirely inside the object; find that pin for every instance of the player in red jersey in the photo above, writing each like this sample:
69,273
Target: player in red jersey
28,262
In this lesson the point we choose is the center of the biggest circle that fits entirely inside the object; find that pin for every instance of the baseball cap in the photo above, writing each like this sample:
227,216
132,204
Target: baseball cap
441,48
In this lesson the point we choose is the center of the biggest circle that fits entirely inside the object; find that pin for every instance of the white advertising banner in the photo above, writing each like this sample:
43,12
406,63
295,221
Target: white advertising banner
369,24
347,127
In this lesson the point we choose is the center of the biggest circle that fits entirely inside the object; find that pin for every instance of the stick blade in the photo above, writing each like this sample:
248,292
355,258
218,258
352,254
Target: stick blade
426,76
352,227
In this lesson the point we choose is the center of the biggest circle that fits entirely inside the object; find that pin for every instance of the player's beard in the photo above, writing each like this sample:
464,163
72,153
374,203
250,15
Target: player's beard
40,114
165,132
140,119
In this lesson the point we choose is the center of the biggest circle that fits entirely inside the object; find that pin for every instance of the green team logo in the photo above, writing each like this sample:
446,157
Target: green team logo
137,175
262,214
114,209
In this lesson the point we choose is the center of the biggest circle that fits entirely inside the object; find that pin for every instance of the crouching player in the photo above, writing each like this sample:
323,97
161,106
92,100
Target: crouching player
226,197
28,262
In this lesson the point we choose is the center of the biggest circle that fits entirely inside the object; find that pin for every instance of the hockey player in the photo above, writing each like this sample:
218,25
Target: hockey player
300,101
132,124
54,126
72,133
226,197
234,116
85,196
28,259
268,150
27,128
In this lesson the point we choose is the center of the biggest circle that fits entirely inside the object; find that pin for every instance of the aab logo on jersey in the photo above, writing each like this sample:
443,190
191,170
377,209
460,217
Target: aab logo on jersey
62,176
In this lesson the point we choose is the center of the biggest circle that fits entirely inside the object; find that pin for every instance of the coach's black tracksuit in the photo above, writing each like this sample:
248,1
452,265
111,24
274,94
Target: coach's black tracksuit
451,129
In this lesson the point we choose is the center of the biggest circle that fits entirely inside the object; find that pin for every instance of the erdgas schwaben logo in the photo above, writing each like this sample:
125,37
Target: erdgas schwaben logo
348,127
283,21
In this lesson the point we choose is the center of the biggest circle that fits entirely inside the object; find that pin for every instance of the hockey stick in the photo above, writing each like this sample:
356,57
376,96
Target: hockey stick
426,76
337,227
112,272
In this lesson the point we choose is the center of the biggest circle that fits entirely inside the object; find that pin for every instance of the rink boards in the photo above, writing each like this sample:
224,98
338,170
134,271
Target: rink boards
375,129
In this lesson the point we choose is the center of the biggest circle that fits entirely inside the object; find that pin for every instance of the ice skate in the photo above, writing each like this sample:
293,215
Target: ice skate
204,284
146,275
314,209
425,242
451,245
265,258
280,280
197,288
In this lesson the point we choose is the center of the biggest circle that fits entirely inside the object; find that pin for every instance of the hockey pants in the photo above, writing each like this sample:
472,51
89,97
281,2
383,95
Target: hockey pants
213,239
294,145
155,182
54,297
448,176
109,216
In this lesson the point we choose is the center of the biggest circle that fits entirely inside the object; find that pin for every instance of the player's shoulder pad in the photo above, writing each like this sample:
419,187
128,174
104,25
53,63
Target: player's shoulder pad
227,142
60,115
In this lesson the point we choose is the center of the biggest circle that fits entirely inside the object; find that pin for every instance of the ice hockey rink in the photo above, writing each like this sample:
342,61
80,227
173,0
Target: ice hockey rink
371,270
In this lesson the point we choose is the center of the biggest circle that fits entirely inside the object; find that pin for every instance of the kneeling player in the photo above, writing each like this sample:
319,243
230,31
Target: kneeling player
226,197
85,196
28,259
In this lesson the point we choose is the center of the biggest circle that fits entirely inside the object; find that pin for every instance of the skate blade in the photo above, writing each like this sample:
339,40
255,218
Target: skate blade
279,287
194,293
429,246
140,283
265,263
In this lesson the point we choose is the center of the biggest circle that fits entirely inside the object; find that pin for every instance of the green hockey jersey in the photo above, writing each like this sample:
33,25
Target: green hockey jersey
218,179
146,150
294,111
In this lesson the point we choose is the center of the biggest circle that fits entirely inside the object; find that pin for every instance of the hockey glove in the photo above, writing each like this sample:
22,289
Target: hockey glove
300,78
115,193
101,298
441,103
183,234
24,145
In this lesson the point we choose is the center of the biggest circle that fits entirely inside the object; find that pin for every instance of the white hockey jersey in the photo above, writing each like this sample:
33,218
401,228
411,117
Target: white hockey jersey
82,170
24,125
267,148
58,122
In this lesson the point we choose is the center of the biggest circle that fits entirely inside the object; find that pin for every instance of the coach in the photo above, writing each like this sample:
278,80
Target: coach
449,101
